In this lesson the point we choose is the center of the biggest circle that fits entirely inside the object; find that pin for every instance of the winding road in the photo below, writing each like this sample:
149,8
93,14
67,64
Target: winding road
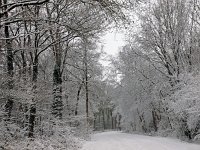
122,141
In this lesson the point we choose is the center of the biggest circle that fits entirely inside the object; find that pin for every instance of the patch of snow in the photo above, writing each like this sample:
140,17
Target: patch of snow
122,141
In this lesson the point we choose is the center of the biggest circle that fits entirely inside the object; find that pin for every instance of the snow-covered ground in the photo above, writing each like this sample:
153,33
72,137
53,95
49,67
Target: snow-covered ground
123,141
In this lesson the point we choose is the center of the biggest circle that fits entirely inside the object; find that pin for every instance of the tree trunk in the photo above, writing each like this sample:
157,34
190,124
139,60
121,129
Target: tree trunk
154,120
85,62
57,105
104,126
86,84
35,62
10,68
77,98
87,97
32,108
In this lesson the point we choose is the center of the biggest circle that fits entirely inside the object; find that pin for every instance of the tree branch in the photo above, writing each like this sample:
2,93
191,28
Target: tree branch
24,3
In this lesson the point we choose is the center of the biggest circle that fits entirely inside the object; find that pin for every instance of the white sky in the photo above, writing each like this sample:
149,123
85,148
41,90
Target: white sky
111,42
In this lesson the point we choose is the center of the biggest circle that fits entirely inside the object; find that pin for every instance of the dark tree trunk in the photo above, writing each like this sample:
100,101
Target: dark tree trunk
87,99
57,105
77,98
10,68
24,65
86,84
112,126
154,120
35,62
104,126
32,120
32,108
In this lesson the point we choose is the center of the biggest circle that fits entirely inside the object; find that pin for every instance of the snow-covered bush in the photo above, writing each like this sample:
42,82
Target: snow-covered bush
63,138
197,138
66,142
185,107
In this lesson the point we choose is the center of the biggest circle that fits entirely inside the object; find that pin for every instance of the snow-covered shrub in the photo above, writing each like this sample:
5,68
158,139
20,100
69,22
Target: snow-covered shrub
66,142
63,138
185,107
80,129
9,132
197,138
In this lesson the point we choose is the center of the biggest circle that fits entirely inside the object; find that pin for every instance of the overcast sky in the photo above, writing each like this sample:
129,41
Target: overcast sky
112,42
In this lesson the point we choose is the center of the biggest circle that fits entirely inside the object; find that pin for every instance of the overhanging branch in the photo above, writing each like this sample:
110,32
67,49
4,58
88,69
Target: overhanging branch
24,3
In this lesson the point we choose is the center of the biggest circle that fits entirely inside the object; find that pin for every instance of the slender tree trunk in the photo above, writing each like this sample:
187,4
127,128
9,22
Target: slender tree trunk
10,68
32,108
154,120
104,126
24,80
87,97
78,97
189,54
112,127
86,84
24,65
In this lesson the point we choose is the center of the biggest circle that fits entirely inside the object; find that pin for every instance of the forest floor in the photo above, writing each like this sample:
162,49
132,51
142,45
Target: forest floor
122,141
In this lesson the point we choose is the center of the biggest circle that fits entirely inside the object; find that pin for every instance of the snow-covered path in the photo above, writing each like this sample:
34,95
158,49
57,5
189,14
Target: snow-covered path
123,141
